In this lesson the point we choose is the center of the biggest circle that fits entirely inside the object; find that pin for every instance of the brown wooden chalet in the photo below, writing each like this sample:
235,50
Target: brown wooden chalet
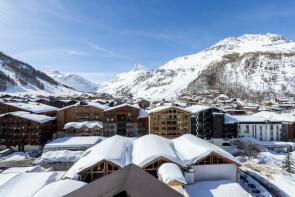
21,129
130,181
124,120
80,112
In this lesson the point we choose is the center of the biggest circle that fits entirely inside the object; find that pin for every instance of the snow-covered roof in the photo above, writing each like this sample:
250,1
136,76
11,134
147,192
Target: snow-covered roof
191,149
184,151
164,107
32,107
59,156
169,172
98,105
24,169
6,177
228,119
116,149
122,105
157,147
92,104
59,188
250,118
281,117
88,124
197,108
27,184
29,116
69,142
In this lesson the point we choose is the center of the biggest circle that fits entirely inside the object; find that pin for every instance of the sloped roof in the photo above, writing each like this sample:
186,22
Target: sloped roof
130,180
116,149
122,105
32,107
198,108
191,149
29,116
92,104
164,107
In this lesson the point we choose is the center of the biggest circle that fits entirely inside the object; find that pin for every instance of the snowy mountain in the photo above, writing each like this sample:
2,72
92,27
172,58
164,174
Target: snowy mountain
249,65
73,80
20,77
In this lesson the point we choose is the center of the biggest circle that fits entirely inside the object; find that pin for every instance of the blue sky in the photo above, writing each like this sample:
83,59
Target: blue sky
99,39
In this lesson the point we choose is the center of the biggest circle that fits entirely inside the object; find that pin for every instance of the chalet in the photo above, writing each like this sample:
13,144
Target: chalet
81,119
36,108
126,120
169,121
23,130
206,161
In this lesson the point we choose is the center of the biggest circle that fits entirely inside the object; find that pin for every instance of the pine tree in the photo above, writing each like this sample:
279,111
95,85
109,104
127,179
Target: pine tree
288,163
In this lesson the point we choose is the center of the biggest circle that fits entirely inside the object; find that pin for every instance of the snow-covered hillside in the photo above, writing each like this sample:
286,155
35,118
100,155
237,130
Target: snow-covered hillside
19,77
73,80
249,65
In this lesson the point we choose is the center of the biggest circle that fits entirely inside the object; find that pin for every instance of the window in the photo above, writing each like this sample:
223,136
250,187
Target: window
247,129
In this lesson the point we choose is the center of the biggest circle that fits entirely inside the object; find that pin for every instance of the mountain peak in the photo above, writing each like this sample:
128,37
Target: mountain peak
137,67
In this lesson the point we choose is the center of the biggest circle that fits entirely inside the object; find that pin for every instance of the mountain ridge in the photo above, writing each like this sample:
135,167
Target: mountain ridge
253,60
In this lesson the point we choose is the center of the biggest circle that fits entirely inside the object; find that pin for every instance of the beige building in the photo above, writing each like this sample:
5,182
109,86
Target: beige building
169,121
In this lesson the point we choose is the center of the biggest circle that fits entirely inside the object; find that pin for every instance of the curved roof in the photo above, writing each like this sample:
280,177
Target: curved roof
59,188
191,149
184,151
170,172
116,149
150,147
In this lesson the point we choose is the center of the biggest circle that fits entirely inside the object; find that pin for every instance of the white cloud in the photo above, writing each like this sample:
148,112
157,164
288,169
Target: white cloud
108,52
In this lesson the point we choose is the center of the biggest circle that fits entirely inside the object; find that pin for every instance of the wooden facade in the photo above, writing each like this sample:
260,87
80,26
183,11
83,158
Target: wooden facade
123,120
171,123
16,131
153,166
215,158
98,170
78,113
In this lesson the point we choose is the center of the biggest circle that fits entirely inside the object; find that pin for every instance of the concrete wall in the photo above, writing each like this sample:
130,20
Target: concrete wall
215,172
262,131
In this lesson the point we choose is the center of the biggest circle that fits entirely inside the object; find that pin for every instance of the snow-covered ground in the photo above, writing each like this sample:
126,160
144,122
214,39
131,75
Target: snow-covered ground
59,156
220,188
269,165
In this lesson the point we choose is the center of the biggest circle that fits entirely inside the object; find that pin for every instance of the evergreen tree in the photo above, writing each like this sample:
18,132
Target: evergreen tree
288,163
